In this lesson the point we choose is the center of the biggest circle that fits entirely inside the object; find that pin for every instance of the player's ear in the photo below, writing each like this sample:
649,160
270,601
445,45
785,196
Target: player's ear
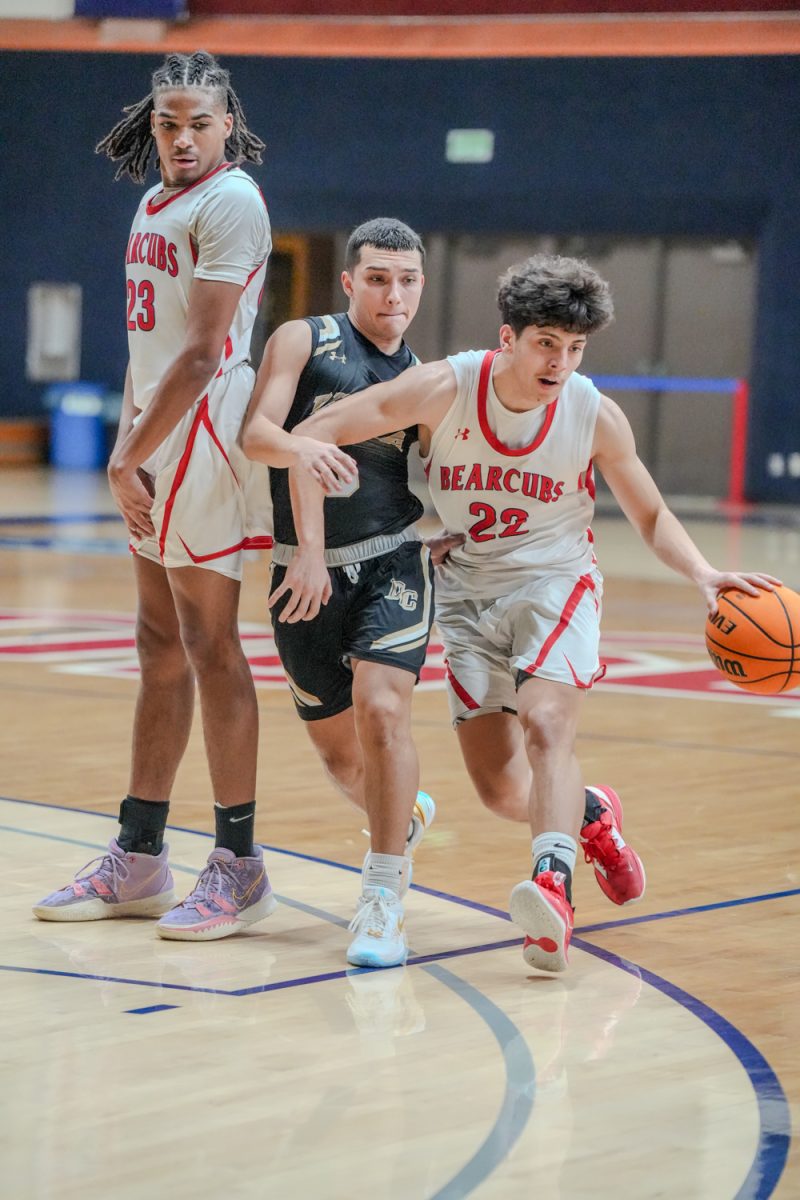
347,283
507,337
228,125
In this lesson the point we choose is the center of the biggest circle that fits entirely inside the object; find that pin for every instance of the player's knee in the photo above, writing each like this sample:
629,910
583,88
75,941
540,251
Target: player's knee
382,718
159,648
544,728
209,649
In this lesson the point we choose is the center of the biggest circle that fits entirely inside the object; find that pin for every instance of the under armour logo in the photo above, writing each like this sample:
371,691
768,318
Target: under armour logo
338,357
406,597
462,433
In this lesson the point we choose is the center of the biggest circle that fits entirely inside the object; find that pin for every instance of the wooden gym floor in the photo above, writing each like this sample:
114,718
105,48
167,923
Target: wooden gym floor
664,1063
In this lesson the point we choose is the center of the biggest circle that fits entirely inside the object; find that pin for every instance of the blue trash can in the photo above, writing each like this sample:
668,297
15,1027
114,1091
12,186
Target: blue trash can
77,425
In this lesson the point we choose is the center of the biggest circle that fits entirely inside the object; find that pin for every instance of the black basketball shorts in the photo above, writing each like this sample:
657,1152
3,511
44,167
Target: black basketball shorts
380,610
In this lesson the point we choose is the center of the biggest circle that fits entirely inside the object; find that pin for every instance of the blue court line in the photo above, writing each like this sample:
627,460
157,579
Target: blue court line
664,383
151,1008
774,1120
773,1107
518,1098
71,544
94,518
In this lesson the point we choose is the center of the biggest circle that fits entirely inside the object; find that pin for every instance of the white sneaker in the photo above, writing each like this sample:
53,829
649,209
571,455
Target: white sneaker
380,940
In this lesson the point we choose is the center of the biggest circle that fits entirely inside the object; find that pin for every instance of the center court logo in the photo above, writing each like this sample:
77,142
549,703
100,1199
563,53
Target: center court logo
84,642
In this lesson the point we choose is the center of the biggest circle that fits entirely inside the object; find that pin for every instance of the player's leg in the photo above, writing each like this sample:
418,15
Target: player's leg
233,891
133,878
542,906
493,750
386,637
382,715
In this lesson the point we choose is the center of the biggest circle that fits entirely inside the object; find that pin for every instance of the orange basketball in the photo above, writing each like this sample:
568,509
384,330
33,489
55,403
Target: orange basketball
755,640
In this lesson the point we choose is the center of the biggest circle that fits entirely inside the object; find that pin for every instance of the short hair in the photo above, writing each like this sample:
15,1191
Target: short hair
550,290
130,142
384,233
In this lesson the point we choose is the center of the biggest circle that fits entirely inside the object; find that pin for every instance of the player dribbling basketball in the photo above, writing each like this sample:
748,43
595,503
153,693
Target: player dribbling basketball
512,438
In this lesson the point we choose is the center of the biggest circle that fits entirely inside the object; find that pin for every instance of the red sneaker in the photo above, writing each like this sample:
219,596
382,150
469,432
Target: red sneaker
617,867
541,909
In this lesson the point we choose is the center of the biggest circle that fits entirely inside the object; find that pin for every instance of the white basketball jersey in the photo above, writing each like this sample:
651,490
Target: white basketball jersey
519,485
216,228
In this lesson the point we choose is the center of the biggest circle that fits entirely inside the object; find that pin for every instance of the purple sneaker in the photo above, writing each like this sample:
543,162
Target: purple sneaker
230,894
116,884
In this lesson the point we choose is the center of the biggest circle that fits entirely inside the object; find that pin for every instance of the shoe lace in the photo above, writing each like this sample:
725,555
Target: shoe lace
109,865
210,879
601,842
373,912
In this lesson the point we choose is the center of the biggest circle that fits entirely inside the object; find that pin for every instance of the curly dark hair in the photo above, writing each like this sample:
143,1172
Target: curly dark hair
130,142
549,290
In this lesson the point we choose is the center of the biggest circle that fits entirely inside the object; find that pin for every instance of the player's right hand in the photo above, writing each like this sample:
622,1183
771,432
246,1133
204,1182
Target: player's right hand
308,583
441,543
133,496
327,465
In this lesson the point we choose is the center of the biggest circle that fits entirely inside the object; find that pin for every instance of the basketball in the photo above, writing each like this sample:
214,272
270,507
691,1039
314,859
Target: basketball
754,641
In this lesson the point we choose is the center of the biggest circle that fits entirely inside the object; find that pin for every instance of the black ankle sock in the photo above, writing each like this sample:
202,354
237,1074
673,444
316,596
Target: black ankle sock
142,825
549,862
235,828
593,810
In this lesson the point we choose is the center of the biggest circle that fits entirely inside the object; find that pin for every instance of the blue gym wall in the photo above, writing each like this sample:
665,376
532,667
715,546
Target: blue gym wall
626,146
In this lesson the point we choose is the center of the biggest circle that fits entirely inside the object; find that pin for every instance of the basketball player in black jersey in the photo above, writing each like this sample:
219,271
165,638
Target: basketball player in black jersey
352,603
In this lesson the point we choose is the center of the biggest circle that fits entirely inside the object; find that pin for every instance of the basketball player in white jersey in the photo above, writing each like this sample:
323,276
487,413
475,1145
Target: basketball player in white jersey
195,264
511,440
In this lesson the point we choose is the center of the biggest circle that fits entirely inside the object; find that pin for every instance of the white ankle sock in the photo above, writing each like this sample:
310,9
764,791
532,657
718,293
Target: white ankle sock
560,845
386,871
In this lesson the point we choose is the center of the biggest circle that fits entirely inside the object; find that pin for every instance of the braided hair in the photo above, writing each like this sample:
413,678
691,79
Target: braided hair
130,142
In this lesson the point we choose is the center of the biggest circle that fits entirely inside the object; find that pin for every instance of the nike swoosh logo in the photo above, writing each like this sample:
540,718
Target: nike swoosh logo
236,820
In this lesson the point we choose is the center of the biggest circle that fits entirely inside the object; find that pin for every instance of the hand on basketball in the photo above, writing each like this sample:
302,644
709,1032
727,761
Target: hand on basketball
329,466
308,583
747,581
442,543
133,495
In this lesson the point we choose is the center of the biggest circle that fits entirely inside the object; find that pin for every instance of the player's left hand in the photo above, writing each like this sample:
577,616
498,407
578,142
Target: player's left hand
308,581
442,543
746,581
133,497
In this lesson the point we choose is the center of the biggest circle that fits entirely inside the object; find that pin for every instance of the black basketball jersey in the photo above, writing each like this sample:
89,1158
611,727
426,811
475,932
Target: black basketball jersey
343,361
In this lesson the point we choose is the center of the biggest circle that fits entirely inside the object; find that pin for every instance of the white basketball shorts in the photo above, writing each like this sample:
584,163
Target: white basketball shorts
211,503
548,628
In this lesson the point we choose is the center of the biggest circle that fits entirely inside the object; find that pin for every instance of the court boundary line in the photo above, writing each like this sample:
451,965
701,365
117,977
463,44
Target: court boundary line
774,1121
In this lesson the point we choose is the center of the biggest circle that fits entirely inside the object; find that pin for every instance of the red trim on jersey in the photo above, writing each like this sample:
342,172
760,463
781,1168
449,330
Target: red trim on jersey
461,692
228,347
483,419
585,584
152,208
194,250
251,276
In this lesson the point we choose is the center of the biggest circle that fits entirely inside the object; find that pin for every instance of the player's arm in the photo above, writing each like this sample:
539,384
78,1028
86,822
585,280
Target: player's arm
614,452
307,578
264,438
421,396
136,512
212,305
